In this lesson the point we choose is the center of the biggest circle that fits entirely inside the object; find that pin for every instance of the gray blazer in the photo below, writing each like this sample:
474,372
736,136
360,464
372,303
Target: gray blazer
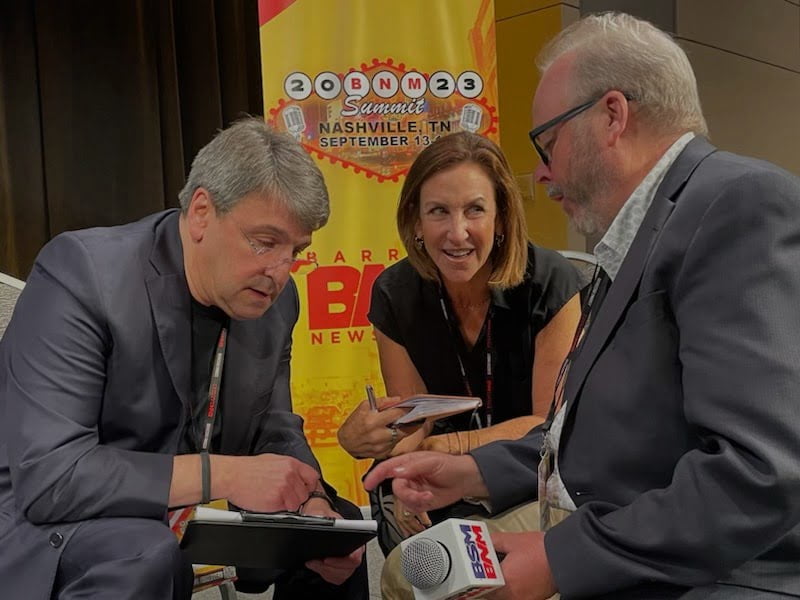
94,388
681,444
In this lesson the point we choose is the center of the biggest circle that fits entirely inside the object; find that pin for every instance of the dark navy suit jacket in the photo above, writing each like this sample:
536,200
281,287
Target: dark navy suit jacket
681,443
94,390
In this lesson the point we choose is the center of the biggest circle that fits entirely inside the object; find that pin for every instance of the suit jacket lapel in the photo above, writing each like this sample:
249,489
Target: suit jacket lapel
623,290
170,305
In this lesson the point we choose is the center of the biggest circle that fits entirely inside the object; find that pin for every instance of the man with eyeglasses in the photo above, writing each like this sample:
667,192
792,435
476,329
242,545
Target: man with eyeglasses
670,465
147,367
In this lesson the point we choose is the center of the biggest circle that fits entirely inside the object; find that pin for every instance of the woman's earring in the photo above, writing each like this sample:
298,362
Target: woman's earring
419,242
499,239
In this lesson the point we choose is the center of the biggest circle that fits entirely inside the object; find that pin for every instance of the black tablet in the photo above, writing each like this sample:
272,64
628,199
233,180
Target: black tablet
260,545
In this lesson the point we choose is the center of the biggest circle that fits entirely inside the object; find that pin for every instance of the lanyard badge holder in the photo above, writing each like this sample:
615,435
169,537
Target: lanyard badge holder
211,415
455,336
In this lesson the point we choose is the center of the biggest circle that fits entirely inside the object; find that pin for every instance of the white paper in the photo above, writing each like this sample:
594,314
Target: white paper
425,407
228,516
204,513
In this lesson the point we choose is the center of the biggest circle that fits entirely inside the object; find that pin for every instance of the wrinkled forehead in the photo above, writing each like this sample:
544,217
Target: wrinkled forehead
270,213
554,92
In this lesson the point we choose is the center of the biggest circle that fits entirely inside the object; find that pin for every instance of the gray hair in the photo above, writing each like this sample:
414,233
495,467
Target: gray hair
615,51
249,156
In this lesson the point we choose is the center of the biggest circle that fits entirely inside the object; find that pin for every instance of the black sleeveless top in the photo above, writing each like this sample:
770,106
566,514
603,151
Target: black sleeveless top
406,308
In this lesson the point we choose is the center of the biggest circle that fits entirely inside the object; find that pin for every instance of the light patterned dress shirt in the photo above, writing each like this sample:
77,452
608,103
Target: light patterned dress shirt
610,252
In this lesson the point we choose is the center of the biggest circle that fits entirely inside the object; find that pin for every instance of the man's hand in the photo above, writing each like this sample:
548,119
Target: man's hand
319,507
335,569
427,480
366,433
525,567
263,483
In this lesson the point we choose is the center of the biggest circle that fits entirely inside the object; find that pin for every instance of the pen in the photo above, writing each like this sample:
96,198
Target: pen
278,518
373,403
309,521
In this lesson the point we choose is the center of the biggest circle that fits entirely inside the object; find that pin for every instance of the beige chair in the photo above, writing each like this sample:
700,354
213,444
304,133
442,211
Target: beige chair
10,289
583,261
227,591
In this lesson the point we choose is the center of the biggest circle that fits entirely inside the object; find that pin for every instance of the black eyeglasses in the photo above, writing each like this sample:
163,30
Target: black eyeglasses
563,117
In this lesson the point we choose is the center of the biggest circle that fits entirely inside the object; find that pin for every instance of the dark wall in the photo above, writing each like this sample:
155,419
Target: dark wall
104,103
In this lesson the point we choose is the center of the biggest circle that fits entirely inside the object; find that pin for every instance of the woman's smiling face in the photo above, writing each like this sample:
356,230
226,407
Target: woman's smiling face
457,221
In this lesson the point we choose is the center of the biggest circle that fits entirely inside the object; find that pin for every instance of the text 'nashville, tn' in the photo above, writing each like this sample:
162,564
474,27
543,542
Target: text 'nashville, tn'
329,139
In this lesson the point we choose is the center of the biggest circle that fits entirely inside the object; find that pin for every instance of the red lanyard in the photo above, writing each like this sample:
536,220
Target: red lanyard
577,338
454,333
213,389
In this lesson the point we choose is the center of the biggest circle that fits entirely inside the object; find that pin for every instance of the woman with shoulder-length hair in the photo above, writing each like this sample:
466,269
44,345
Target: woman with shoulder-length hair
475,310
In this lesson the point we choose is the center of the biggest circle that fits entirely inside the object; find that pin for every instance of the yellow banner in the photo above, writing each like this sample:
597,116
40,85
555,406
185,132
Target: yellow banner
364,85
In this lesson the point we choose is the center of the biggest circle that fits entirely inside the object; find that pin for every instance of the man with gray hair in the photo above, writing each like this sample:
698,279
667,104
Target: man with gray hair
147,367
669,466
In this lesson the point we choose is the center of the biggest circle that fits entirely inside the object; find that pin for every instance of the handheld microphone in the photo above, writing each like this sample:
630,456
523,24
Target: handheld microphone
454,559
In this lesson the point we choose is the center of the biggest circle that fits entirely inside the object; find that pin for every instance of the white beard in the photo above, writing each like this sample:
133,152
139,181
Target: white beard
589,179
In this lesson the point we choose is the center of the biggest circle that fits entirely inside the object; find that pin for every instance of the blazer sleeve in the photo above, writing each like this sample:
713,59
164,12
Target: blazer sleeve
56,359
735,303
504,464
281,430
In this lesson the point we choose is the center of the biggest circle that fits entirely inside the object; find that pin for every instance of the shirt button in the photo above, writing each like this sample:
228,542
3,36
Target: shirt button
56,539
